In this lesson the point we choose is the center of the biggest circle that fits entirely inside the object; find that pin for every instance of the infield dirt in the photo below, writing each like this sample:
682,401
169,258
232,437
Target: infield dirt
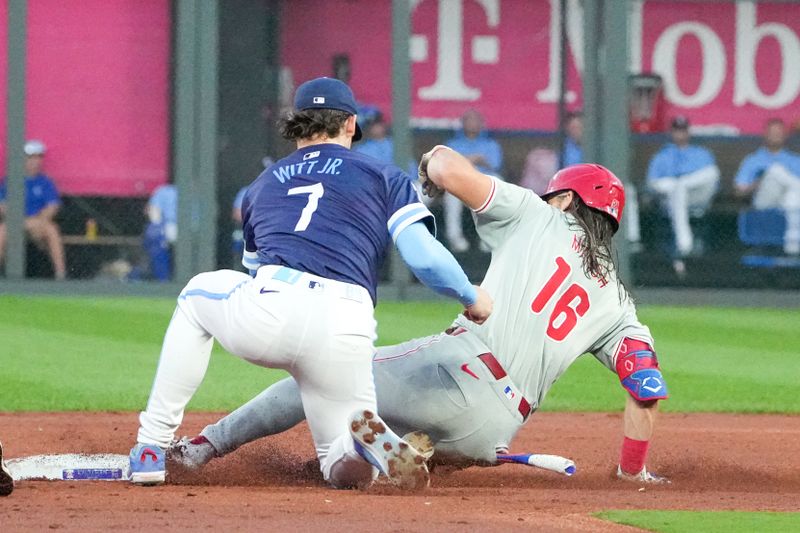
743,462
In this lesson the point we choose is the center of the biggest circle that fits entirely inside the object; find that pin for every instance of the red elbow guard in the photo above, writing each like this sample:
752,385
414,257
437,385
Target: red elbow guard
637,368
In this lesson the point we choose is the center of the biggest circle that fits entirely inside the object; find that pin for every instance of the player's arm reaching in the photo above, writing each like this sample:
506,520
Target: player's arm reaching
438,270
497,207
444,169
431,262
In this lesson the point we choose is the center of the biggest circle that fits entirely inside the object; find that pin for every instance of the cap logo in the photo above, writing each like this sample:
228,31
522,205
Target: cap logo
319,99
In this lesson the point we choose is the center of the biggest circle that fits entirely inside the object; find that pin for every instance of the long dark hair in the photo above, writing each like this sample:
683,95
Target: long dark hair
597,245
309,123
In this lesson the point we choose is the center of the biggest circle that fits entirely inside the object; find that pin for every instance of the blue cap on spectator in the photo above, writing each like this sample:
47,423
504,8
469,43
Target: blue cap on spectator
327,93
35,147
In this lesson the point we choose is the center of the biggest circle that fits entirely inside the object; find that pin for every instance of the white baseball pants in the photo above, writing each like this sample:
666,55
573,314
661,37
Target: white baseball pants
780,189
453,212
683,195
319,330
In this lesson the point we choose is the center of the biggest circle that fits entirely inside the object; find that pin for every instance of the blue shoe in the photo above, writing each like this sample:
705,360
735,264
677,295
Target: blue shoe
147,465
6,481
383,449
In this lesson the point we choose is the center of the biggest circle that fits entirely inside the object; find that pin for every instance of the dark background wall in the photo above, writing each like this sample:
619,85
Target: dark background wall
248,89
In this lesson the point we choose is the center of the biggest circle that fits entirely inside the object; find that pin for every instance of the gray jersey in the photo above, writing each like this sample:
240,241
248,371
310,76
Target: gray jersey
547,311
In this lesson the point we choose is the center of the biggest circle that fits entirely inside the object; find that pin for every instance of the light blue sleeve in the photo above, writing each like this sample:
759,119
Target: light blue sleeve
749,170
704,158
657,168
237,201
51,194
163,198
455,144
155,197
573,153
793,163
433,264
494,156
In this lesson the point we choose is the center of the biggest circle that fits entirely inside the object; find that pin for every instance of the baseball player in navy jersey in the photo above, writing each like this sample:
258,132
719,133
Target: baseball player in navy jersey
472,388
316,226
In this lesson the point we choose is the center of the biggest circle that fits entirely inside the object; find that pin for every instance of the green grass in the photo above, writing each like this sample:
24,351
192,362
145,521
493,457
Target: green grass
101,354
714,360
706,521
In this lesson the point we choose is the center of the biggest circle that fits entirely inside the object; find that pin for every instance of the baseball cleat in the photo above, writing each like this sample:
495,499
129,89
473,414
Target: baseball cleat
642,477
6,481
421,442
191,454
147,465
383,449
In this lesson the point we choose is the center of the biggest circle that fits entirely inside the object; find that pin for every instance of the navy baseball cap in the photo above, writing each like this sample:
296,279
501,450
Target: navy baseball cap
327,93
680,123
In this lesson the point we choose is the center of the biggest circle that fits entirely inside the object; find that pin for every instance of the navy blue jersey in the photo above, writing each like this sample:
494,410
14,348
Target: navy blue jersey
329,211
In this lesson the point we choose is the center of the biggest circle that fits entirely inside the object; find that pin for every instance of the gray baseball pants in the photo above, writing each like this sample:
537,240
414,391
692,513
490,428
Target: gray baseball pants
439,385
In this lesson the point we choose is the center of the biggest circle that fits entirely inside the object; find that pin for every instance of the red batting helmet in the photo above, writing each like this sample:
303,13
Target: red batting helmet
597,186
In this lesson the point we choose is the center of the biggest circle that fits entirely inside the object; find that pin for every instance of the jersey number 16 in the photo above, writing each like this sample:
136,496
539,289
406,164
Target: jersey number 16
573,302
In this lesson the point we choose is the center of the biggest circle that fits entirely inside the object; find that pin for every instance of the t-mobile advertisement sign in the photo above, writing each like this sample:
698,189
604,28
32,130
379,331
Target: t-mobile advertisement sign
726,65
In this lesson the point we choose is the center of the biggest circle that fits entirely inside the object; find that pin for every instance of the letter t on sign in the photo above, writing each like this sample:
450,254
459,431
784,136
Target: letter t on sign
449,84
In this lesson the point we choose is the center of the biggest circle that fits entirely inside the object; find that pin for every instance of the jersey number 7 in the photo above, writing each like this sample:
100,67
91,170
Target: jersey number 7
565,314
314,193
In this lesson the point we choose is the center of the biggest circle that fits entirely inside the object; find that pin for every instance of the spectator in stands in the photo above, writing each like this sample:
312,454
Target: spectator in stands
473,142
572,153
376,142
771,176
42,203
162,230
541,164
684,177
343,70
237,236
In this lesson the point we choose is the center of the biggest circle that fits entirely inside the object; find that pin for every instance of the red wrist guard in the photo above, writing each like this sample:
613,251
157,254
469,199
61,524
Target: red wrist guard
633,456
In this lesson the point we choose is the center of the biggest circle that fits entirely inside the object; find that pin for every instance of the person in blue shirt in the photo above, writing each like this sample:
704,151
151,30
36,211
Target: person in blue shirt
685,178
572,154
573,151
42,203
237,236
317,225
377,142
473,142
771,176
162,230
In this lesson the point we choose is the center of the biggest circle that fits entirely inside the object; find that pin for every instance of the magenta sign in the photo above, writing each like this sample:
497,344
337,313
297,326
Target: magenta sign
727,65
97,93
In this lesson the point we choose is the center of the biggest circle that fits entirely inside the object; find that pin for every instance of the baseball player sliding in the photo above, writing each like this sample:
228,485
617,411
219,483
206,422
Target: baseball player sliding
473,387
316,226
